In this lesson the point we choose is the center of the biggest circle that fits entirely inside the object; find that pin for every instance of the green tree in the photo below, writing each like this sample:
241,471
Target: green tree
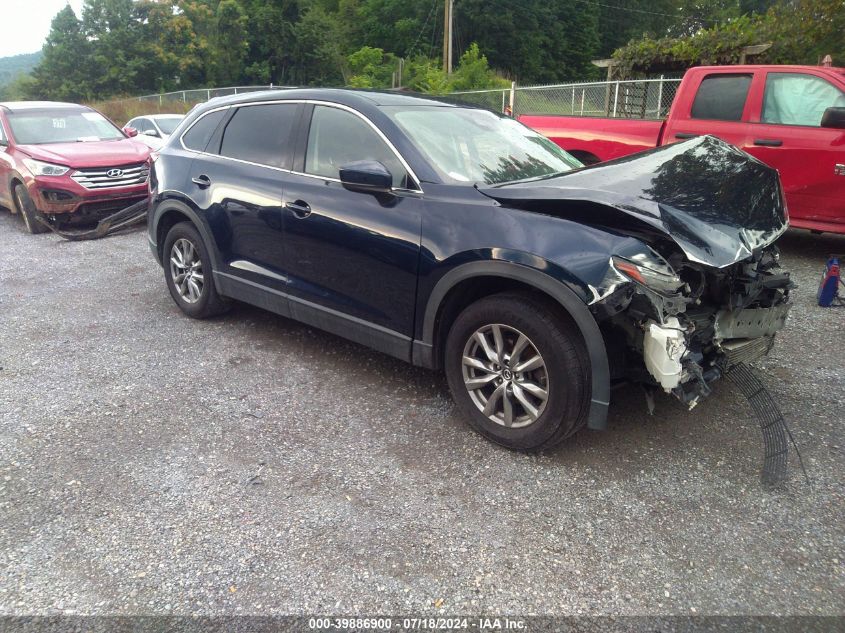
65,72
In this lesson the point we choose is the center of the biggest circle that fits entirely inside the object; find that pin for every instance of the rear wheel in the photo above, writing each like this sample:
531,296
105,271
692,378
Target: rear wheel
518,371
187,270
26,207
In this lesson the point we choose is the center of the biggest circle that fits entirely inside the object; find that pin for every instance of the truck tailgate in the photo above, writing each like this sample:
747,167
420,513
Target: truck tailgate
603,138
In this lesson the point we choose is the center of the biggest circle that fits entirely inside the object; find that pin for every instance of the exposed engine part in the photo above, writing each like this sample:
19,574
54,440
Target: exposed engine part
678,325
772,425
124,219
663,348
751,323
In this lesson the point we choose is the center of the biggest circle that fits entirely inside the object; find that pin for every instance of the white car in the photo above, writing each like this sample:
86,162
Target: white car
154,129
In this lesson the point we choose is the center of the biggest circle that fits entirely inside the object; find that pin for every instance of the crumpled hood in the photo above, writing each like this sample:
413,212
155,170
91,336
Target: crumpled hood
715,201
89,154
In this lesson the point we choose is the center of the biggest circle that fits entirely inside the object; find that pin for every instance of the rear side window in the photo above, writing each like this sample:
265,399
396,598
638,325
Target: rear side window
198,136
260,133
798,99
721,97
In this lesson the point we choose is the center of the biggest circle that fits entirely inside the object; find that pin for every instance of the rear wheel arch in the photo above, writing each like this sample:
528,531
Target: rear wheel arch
470,282
172,213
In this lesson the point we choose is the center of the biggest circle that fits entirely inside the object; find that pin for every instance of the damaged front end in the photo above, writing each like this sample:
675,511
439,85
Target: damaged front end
679,325
695,287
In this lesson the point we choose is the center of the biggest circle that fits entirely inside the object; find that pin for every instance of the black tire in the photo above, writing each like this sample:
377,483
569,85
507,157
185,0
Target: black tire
26,207
206,303
565,374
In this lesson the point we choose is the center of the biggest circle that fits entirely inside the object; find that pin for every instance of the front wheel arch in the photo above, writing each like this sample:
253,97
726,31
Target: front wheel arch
425,352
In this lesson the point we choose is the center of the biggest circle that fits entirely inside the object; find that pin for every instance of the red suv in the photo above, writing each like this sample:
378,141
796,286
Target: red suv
67,163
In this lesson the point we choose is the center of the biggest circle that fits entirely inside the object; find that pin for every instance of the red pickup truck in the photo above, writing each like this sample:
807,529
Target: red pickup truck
790,117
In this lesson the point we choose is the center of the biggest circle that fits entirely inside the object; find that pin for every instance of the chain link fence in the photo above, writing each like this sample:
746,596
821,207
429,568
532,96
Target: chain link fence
631,99
199,95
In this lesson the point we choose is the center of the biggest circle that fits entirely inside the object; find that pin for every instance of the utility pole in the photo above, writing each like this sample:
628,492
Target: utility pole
447,36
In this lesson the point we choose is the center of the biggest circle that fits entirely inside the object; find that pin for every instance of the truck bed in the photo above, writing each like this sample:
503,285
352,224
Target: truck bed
594,139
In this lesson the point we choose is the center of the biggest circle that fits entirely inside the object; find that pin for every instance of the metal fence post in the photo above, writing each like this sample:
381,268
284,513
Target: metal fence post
615,98
513,97
236,90
659,96
583,90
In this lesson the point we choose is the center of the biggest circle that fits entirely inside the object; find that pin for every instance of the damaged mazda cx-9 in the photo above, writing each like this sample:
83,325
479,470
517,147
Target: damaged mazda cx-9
456,238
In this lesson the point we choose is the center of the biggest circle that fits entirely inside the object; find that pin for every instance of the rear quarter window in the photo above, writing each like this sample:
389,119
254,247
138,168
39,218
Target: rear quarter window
200,133
721,97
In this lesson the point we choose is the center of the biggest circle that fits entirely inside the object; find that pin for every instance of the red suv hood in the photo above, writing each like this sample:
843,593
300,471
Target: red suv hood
89,154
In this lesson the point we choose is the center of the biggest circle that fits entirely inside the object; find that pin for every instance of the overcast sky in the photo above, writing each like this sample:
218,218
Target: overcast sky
26,23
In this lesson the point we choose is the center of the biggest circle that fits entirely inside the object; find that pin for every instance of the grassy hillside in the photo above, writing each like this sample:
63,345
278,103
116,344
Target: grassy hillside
11,67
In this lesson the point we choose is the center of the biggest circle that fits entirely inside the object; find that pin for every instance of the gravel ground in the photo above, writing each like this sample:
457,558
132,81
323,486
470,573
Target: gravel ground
249,464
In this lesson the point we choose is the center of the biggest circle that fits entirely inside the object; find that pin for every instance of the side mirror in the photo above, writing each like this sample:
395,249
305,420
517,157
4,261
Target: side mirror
130,131
834,118
366,176
150,133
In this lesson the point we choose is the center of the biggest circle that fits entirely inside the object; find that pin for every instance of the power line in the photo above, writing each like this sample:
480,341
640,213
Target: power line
422,30
632,10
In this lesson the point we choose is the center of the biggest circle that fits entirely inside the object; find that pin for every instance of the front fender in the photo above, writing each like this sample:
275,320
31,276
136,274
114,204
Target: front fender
423,353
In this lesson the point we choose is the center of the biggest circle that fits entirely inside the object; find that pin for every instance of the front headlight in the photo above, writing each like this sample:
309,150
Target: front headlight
653,273
44,169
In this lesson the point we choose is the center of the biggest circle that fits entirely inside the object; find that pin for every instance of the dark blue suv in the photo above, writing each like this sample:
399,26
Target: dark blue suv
456,238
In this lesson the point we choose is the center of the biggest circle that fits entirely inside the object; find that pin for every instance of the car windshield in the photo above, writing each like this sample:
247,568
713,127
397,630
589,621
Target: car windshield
39,127
472,145
167,125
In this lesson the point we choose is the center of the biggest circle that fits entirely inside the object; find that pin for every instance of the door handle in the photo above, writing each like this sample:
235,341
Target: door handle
202,181
768,142
299,208
685,135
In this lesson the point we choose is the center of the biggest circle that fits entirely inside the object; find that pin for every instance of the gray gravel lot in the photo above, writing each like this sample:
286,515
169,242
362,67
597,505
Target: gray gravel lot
249,464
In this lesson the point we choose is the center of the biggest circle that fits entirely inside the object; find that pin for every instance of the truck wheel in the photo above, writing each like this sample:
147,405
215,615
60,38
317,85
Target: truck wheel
187,270
518,371
26,207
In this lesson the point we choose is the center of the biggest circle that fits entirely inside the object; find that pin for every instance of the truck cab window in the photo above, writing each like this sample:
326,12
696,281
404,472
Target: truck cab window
798,99
721,97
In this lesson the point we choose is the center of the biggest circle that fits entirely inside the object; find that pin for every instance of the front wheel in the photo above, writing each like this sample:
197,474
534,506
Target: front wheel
26,207
519,371
187,270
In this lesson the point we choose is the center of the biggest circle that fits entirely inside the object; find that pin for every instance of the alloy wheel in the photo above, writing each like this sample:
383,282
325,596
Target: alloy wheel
505,375
186,270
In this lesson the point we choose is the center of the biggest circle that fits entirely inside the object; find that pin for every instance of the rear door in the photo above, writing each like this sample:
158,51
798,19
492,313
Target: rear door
241,180
788,136
720,107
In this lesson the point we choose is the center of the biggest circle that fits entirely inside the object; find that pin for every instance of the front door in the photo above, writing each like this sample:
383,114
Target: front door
789,137
351,257
720,108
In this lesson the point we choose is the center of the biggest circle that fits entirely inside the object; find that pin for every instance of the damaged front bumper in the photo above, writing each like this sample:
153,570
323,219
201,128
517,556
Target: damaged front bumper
700,323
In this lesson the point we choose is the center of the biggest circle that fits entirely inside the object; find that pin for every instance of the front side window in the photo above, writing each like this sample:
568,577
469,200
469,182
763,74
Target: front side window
469,145
337,138
798,99
40,127
260,133
721,97
199,134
